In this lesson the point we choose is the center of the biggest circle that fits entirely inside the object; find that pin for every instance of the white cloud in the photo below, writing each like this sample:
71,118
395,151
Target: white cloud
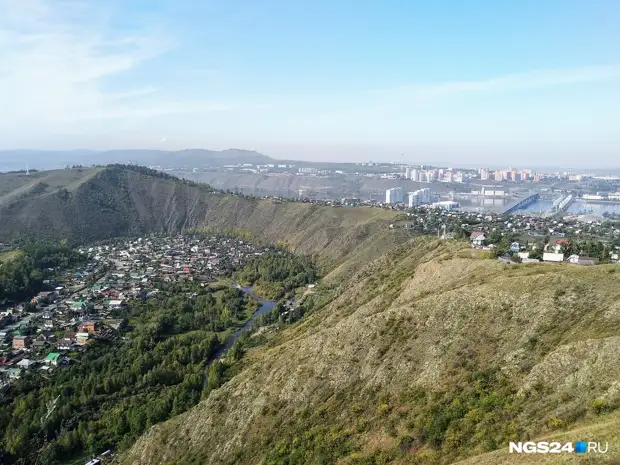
530,80
58,59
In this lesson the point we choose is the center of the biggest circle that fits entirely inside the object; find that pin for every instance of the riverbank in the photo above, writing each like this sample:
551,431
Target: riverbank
265,306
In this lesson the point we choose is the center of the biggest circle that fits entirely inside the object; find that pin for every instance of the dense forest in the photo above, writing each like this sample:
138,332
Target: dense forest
23,275
110,394
275,273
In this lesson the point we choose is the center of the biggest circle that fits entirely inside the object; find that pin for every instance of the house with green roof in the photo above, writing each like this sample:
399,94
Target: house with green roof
98,287
79,305
53,358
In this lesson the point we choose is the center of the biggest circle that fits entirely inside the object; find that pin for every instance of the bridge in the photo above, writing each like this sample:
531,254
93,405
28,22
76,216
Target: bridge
513,207
560,205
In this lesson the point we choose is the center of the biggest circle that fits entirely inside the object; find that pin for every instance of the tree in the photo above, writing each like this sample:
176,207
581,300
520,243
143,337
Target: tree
236,351
567,248
494,237
214,379
536,253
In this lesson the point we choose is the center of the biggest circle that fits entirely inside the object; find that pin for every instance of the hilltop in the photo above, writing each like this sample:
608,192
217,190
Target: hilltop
428,354
89,204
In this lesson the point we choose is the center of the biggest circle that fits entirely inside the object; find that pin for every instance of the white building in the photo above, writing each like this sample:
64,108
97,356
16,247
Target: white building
419,197
408,172
394,195
415,175
447,205
553,257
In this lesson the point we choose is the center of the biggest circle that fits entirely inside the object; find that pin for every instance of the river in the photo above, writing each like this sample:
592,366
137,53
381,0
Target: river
498,204
265,307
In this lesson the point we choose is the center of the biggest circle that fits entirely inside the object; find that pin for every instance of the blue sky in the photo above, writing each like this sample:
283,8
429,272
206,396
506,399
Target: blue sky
520,82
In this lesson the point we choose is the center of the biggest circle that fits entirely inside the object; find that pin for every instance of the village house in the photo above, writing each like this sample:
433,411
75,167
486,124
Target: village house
65,343
87,327
21,342
114,304
582,260
26,364
60,291
477,239
39,344
5,334
82,338
53,358
555,245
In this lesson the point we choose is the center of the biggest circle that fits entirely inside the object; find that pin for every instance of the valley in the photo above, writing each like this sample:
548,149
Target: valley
409,350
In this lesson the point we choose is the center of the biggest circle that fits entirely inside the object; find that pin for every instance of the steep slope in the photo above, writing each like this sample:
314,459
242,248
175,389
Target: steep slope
427,355
99,204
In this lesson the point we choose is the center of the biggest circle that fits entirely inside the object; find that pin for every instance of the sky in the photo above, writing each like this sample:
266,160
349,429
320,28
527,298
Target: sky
525,83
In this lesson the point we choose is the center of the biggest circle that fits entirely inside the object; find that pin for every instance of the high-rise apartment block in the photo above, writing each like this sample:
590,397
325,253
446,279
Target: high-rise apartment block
394,195
419,197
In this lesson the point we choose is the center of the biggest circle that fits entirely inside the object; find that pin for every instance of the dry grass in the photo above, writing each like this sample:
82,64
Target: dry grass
413,319
16,185
9,255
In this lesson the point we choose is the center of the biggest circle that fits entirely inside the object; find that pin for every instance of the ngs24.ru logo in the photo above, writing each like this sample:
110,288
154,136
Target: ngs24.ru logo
545,447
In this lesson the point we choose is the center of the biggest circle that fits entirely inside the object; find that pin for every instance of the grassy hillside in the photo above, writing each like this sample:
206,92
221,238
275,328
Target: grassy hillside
427,355
598,430
90,204
19,186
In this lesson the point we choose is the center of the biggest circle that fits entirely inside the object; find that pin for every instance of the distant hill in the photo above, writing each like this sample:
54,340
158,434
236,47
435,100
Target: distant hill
12,160
88,204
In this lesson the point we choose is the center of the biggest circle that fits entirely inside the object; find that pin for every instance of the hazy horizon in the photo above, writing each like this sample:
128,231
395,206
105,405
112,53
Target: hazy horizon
11,164
526,84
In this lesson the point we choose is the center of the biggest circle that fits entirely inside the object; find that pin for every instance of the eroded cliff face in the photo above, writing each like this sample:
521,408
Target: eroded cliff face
426,355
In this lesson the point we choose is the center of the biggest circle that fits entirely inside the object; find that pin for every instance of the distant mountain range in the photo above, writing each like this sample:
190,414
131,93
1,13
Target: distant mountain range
13,160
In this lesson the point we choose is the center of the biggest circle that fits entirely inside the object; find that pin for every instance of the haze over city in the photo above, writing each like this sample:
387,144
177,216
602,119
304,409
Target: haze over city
525,83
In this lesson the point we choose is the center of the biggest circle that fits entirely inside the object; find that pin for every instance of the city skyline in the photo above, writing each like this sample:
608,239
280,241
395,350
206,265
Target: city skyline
535,84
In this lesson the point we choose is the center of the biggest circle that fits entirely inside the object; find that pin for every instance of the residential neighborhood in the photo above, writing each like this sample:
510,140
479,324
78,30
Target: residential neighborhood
574,239
51,328
570,242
